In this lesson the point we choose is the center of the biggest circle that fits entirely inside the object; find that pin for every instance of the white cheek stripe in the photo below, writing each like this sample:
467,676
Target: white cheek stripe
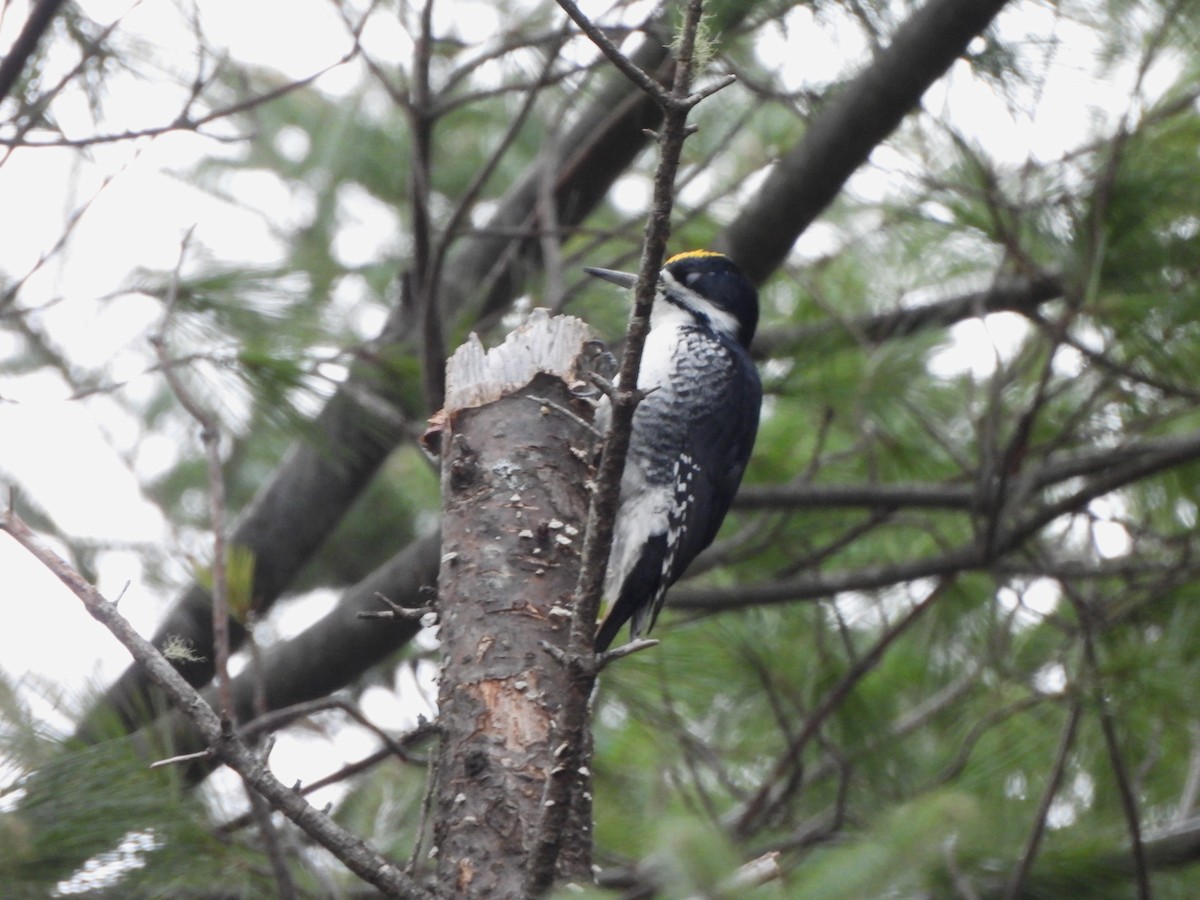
720,320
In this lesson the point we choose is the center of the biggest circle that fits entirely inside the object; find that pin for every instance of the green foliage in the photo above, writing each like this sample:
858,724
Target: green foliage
239,581
927,769
907,840
105,805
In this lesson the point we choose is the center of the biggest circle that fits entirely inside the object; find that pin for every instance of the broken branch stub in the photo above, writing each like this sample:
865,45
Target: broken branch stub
516,452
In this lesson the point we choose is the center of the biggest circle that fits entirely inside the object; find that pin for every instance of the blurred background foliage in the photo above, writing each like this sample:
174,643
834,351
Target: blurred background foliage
977,739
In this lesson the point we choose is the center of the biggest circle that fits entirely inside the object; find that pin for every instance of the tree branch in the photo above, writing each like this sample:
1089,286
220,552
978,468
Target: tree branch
1109,470
1085,613
759,808
1020,294
1067,740
210,437
620,61
840,138
348,646
26,43
760,497
357,856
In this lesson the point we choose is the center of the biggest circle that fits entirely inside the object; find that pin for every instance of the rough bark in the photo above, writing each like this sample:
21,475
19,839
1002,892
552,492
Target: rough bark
515,469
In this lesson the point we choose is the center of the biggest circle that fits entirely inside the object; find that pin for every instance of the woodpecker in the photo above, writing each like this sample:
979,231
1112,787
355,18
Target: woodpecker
692,434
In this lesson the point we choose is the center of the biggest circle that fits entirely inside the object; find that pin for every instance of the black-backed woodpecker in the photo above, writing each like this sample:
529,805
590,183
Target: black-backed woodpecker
692,434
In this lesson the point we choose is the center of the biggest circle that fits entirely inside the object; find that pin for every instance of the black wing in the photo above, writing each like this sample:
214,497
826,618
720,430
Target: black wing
720,440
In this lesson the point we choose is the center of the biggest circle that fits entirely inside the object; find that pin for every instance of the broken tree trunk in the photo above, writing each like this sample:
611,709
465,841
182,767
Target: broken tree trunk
516,462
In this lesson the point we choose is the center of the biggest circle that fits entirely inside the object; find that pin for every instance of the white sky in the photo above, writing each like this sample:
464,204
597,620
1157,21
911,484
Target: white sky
80,461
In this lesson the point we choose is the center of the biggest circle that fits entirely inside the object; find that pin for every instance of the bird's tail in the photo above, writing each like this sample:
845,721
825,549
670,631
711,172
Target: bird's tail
609,629
640,598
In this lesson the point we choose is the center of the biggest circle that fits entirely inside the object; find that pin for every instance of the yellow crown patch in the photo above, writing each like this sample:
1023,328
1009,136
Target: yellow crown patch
692,254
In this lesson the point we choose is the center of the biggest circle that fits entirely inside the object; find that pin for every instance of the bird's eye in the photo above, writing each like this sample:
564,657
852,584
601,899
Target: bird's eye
692,277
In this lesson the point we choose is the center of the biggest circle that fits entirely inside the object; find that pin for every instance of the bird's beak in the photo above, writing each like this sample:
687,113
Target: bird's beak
624,279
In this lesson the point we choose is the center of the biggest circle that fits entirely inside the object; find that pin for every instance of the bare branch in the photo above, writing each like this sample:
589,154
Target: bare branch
870,496
1101,471
1007,294
184,121
1085,613
26,43
393,747
1020,875
276,854
210,436
353,852
842,136
759,808
622,62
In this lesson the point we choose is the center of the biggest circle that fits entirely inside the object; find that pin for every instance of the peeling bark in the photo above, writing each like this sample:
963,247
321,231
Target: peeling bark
515,467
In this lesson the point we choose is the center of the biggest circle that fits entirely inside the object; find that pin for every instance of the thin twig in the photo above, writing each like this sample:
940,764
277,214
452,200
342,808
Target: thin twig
470,196
1191,784
349,770
1086,616
285,885
768,796
627,649
184,122
14,288
210,436
624,64
206,753
280,718
426,806
395,611
1017,883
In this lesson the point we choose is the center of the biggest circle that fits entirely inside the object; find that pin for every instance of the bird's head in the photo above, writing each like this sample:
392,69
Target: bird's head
707,285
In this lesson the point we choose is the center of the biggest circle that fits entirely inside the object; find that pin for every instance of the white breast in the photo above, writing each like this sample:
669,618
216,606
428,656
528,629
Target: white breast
666,320
644,510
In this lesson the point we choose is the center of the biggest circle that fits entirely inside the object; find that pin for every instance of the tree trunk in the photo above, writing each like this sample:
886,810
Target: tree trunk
515,469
